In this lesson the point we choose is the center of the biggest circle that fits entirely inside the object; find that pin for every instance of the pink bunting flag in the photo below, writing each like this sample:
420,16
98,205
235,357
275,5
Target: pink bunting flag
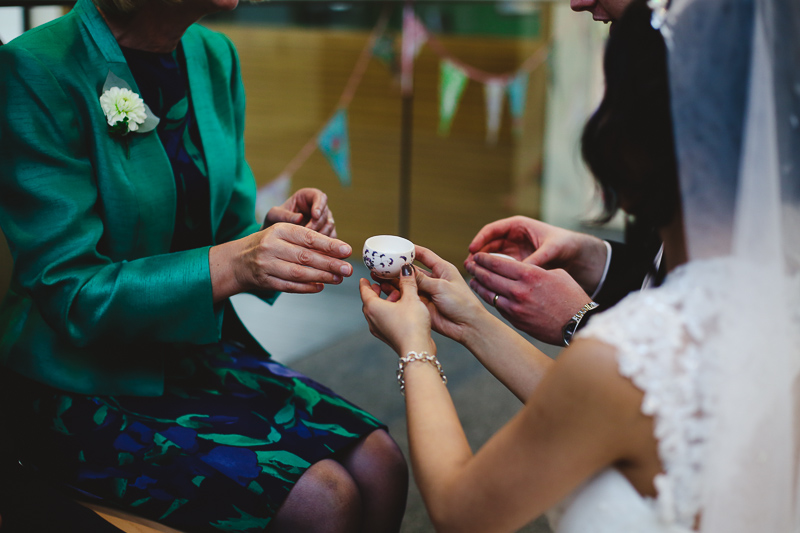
414,38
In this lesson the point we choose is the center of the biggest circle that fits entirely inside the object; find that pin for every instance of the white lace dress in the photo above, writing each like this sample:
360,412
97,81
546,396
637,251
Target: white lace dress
659,336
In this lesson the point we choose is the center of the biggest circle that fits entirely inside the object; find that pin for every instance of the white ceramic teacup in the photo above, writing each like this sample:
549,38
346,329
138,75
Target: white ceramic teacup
385,255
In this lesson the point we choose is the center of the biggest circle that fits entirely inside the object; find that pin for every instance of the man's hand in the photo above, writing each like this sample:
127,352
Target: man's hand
534,242
536,301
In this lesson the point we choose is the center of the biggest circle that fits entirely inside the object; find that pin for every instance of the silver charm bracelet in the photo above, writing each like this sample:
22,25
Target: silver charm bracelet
414,356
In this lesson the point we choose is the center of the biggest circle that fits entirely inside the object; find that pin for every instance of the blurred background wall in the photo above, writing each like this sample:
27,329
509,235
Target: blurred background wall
459,182
296,59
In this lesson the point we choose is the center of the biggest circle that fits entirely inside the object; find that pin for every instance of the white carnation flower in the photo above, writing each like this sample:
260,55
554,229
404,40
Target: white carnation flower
125,106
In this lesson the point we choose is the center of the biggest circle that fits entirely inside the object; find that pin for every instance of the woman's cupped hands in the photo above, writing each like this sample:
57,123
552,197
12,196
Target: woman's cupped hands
451,308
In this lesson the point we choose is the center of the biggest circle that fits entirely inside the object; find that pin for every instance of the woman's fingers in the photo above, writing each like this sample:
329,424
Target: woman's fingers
281,214
367,291
438,266
443,278
327,226
370,297
289,272
318,223
291,257
408,283
296,287
319,202
314,241
389,287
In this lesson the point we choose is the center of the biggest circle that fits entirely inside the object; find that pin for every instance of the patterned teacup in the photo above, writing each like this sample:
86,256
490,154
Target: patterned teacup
386,254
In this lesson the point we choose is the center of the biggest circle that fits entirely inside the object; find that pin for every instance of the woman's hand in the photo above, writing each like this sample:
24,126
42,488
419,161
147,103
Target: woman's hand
454,308
404,323
283,257
308,208
458,313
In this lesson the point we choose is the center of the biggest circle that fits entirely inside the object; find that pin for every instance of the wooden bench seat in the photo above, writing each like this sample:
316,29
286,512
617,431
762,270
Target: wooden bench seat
128,522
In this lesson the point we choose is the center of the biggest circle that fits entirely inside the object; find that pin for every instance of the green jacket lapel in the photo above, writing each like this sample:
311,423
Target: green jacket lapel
146,163
201,89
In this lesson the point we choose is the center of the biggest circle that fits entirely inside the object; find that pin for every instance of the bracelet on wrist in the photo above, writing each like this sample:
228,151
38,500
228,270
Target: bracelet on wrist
572,324
410,357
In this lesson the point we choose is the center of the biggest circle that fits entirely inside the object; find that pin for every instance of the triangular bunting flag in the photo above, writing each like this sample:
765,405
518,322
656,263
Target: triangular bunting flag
517,97
414,37
452,81
494,91
335,144
383,49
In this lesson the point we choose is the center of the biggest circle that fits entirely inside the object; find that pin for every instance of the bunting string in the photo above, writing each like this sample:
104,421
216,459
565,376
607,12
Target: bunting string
332,136
532,63
344,100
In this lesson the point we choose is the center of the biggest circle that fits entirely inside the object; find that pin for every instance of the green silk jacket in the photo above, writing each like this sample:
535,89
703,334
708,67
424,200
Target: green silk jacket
97,301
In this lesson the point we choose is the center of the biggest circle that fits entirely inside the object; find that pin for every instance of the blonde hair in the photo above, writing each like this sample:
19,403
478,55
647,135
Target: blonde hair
125,7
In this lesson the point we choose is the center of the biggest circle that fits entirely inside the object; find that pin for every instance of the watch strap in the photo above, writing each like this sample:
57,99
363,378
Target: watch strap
573,323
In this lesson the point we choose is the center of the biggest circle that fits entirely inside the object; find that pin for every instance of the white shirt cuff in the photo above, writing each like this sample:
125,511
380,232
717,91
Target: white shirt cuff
605,270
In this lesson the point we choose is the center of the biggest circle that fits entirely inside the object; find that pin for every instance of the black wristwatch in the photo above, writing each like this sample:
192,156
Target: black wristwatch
571,326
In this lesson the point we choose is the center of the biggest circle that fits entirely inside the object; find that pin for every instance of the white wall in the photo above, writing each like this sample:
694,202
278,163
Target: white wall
11,19
10,23
568,195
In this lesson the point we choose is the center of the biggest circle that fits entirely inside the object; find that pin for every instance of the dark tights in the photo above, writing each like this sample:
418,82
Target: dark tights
363,489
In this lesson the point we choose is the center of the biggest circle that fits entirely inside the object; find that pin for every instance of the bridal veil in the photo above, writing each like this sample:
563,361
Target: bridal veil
734,70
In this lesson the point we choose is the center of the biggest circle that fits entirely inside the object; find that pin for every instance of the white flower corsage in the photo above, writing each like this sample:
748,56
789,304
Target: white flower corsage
125,110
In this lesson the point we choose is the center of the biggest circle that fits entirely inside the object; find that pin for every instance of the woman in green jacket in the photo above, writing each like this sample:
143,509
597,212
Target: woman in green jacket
129,210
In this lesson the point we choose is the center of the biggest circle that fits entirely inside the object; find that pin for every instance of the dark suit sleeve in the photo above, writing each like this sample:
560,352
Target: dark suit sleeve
625,274
631,262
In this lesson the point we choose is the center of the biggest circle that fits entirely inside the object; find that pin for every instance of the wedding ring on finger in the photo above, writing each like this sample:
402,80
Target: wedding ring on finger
494,300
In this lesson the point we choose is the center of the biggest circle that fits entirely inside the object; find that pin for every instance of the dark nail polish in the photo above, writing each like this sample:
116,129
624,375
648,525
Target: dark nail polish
406,270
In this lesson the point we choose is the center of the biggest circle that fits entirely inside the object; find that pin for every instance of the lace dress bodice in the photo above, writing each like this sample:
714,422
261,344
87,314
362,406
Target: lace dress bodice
659,337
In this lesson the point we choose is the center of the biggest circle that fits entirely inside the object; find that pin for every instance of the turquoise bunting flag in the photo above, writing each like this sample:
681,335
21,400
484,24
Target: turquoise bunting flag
335,144
517,96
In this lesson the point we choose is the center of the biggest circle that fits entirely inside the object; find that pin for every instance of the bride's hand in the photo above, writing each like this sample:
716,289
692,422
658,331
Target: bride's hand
403,323
453,307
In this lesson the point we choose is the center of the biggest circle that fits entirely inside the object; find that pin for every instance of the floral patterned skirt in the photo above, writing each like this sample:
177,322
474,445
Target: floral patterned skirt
219,451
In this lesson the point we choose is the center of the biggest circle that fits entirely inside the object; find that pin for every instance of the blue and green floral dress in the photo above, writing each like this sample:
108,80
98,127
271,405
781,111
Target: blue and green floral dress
223,446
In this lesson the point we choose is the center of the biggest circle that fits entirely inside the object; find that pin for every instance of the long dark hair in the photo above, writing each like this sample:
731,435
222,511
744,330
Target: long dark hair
628,142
